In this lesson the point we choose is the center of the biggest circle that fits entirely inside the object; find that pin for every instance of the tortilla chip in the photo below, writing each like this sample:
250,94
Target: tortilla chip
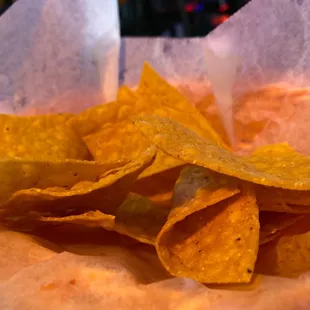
153,89
255,283
212,232
162,163
45,137
159,187
277,200
274,200
289,254
18,174
69,188
274,205
110,143
98,117
140,219
125,93
113,135
106,137
283,196
274,165
137,218
273,223
283,207
89,219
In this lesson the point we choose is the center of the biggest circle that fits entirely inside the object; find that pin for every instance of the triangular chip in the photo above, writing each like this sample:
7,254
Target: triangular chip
276,204
123,141
137,218
112,134
273,223
154,90
97,117
159,187
126,94
274,165
212,232
44,137
276,200
283,196
140,219
89,219
93,118
67,188
288,255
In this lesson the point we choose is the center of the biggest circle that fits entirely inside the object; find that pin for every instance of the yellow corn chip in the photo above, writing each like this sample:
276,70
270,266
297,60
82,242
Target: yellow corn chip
280,206
212,232
287,197
154,90
19,174
68,188
109,133
288,255
255,282
111,144
126,94
140,219
137,218
45,137
113,136
274,165
90,219
273,223
101,116
159,187
274,200
93,118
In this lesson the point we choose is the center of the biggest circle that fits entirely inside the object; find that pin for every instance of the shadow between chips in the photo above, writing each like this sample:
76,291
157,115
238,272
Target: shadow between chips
67,188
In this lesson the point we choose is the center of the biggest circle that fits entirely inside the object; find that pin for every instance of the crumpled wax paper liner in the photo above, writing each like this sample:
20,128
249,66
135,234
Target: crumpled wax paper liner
55,55
99,276
48,68
271,41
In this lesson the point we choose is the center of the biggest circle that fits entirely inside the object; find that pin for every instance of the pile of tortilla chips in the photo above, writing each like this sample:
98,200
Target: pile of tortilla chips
150,166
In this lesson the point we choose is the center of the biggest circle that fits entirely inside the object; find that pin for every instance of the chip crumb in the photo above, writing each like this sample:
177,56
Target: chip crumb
72,282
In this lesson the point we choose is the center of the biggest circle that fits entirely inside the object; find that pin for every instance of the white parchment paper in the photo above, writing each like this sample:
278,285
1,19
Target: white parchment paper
55,54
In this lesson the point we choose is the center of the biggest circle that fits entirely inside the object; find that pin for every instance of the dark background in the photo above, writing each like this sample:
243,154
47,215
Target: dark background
174,18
